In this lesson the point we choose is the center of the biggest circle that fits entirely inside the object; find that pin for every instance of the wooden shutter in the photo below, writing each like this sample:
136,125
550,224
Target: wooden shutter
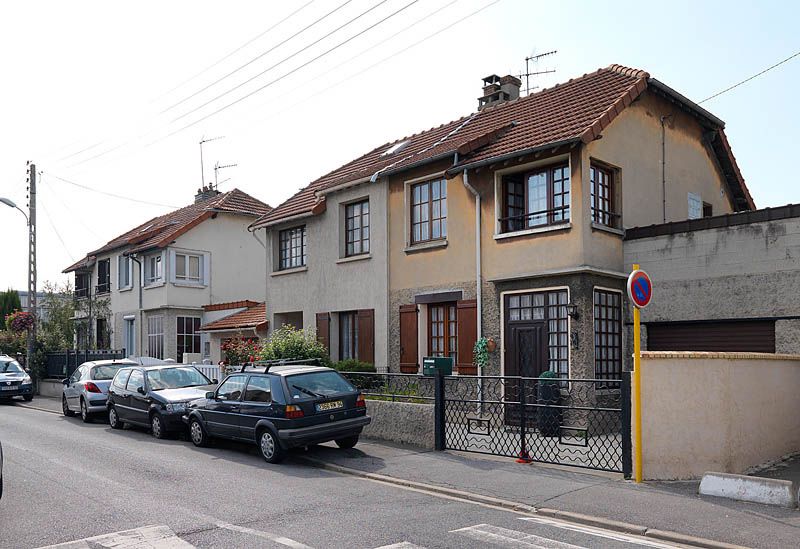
366,335
409,334
467,317
324,330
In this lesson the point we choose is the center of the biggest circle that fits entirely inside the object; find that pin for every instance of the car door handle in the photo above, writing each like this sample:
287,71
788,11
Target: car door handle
234,408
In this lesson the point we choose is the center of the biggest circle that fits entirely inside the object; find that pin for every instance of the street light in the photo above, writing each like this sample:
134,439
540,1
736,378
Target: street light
10,203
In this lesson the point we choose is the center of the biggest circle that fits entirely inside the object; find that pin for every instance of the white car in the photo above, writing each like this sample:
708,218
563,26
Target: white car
86,390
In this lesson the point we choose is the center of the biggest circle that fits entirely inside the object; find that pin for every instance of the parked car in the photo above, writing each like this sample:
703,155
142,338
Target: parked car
14,379
280,407
155,396
86,389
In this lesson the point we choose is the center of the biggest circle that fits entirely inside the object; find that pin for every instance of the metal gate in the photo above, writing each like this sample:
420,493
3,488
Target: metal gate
577,422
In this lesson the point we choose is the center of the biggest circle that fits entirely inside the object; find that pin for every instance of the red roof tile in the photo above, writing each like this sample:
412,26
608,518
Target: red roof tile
160,231
230,305
252,317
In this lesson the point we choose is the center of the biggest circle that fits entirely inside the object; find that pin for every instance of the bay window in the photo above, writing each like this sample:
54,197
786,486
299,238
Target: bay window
537,198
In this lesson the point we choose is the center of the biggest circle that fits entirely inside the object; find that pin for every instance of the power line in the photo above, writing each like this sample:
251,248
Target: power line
111,194
237,50
259,56
236,87
268,84
52,226
75,216
779,63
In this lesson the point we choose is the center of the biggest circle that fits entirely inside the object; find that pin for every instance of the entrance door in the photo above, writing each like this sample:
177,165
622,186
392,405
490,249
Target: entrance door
130,337
526,356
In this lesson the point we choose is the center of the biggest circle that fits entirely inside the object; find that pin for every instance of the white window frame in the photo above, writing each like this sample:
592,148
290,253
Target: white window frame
149,280
124,267
695,202
155,336
177,256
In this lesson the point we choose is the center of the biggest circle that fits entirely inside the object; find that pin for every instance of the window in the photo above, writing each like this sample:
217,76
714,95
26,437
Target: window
348,335
258,389
135,381
536,198
153,269
188,335
695,206
607,334
443,330
103,276
602,196
292,248
188,268
708,210
317,383
103,335
357,228
429,211
121,379
155,336
550,307
129,335
232,388
124,272
82,281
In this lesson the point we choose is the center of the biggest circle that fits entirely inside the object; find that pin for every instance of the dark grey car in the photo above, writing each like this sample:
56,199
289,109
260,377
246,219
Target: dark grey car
14,379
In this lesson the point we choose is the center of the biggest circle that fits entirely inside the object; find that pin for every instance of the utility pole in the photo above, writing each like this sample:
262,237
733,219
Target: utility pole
535,59
31,260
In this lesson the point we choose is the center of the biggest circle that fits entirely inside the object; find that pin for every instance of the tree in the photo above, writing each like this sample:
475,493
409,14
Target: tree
9,302
290,343
57,328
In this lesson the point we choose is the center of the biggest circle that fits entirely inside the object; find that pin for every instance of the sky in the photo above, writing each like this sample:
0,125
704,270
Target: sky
117,96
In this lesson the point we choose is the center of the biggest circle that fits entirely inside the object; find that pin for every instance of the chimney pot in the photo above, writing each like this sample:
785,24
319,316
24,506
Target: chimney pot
498,90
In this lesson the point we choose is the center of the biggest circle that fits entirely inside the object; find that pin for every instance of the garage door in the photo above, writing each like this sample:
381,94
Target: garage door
757,336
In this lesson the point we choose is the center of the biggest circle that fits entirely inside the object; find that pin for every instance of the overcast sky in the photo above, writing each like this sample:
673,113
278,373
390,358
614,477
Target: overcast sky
101,93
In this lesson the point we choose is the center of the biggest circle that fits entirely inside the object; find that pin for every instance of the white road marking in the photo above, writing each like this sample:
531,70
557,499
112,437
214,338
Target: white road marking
146,537
401,545
265,535
511,538
601,533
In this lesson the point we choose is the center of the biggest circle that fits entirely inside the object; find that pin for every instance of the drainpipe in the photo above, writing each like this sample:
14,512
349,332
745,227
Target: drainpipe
478,292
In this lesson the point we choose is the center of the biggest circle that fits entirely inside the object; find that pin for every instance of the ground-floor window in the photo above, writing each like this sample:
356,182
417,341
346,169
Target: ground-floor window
103,339
443,330
607,334
531,311
188,335
348,335
155,336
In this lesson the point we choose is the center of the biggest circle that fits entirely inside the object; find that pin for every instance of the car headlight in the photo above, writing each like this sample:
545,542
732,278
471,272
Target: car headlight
26,380
176,407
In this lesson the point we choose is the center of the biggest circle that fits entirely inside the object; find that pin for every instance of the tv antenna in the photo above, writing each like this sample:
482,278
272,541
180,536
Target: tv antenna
202,167
217,168
534,60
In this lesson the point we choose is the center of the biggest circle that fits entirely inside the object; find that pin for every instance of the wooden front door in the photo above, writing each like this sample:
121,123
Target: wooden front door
526,349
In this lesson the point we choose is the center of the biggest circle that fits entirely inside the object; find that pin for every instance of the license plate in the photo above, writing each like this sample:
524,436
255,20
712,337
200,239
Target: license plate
8,388
325,406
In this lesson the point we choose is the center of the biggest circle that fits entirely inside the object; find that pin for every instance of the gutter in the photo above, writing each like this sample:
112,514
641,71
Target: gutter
418,163
480,163
254,227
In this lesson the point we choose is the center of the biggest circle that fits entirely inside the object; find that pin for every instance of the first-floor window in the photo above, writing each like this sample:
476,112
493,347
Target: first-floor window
357,228
429,211
155,336
292,248
124,272
188,335
153,269
443,330
188,268
607,334
540,197
348,335
602,196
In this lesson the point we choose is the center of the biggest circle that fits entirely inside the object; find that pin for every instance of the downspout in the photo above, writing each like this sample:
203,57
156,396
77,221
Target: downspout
478,290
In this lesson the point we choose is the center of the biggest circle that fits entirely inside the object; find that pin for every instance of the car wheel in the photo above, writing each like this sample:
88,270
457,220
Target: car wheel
65,407
269,447
157,427
113,419
347,442
198,434
27,398
85,412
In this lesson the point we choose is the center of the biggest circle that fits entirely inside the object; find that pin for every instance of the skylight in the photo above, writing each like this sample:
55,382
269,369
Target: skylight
397,147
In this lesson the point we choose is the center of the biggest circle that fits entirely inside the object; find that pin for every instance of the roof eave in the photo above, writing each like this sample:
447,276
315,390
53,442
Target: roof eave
686,103
503,157
281,221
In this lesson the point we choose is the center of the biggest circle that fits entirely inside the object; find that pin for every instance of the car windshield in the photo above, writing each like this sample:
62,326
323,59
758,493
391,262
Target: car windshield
176,378
11,366
105,372
320,384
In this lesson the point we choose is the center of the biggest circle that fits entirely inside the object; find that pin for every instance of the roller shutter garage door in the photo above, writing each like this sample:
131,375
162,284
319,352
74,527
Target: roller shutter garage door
755,336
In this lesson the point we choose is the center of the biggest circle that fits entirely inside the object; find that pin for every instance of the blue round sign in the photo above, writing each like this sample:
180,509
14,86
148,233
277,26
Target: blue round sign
640,288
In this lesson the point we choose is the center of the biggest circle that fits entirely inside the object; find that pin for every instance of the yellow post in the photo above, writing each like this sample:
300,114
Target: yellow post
637,390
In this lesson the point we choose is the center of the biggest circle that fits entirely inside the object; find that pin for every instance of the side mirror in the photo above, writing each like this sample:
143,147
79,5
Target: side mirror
140,390
27,370
210,395
65,381
215,381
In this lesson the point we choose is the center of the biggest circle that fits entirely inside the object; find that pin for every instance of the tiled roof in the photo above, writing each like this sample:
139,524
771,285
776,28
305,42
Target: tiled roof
575,111
230,305
160,231
252,317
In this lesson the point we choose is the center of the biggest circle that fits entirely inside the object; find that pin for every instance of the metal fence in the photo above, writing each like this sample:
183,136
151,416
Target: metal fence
63,363
393,387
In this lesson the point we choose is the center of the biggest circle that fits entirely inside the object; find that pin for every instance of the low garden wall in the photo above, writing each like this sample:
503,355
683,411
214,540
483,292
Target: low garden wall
401,422
722,412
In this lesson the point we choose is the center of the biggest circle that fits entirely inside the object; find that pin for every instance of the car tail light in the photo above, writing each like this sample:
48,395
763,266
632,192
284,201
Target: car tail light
360,402
293,412
92,388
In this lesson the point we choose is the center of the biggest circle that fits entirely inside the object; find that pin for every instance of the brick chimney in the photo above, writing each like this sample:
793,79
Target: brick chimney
497,90
204,193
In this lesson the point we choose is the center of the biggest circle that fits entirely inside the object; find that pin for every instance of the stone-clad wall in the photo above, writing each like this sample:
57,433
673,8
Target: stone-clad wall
401,422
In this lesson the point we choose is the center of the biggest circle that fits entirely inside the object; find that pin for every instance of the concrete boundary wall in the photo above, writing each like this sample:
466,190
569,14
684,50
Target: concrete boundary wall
401,422
722,412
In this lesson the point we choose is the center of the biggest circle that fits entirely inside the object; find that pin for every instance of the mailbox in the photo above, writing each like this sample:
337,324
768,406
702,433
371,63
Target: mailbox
430,364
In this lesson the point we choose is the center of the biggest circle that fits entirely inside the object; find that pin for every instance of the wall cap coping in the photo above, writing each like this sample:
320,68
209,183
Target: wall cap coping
709,355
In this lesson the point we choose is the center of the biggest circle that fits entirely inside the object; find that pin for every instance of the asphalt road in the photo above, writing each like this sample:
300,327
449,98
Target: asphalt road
66,481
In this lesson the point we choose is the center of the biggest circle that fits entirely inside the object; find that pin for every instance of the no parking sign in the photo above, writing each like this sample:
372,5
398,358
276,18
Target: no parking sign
640,288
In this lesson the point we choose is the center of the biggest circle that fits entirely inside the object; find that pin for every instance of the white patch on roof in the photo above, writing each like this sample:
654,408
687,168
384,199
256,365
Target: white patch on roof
397,147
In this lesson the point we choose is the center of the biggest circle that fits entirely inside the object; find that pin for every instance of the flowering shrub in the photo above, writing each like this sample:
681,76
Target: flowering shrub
241,349
19,321
290,343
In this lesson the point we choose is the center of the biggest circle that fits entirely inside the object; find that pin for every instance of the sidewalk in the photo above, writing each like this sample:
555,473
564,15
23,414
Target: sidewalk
43,403
673,506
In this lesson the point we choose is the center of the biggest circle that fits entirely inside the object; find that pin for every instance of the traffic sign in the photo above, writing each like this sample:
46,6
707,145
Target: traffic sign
640,288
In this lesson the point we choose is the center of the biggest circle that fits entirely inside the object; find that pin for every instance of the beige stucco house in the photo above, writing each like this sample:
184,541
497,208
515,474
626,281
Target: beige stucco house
155,279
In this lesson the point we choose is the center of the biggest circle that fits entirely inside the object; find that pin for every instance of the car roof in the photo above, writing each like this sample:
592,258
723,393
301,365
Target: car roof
159,366
121,361
287,370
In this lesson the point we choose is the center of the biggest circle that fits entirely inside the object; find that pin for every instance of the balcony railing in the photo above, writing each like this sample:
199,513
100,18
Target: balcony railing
103,288
541,218
81,292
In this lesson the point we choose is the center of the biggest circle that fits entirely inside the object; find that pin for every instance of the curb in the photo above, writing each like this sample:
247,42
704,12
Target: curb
39,409
768,491
566,516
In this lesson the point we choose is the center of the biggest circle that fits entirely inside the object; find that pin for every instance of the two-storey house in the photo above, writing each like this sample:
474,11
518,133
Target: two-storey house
150,287
508,223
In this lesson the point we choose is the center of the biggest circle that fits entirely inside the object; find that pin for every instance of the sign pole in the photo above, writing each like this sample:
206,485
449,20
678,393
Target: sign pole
637,389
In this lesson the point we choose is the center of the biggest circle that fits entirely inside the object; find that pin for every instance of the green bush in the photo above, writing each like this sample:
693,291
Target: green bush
292,344
353,365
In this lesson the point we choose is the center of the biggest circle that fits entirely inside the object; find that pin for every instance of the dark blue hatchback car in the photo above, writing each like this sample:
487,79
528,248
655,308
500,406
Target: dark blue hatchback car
278,407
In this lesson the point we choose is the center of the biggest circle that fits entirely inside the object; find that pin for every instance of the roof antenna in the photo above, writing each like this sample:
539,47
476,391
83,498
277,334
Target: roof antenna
534,59
202,168
217,168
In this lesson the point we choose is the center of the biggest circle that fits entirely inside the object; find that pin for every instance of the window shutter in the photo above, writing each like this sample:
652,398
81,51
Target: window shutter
121,267
366,335
409,339
467,315
324,330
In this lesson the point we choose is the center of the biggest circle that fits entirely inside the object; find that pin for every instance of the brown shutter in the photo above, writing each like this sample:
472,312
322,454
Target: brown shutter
467,312
408,339
755,336
324,330
366,335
